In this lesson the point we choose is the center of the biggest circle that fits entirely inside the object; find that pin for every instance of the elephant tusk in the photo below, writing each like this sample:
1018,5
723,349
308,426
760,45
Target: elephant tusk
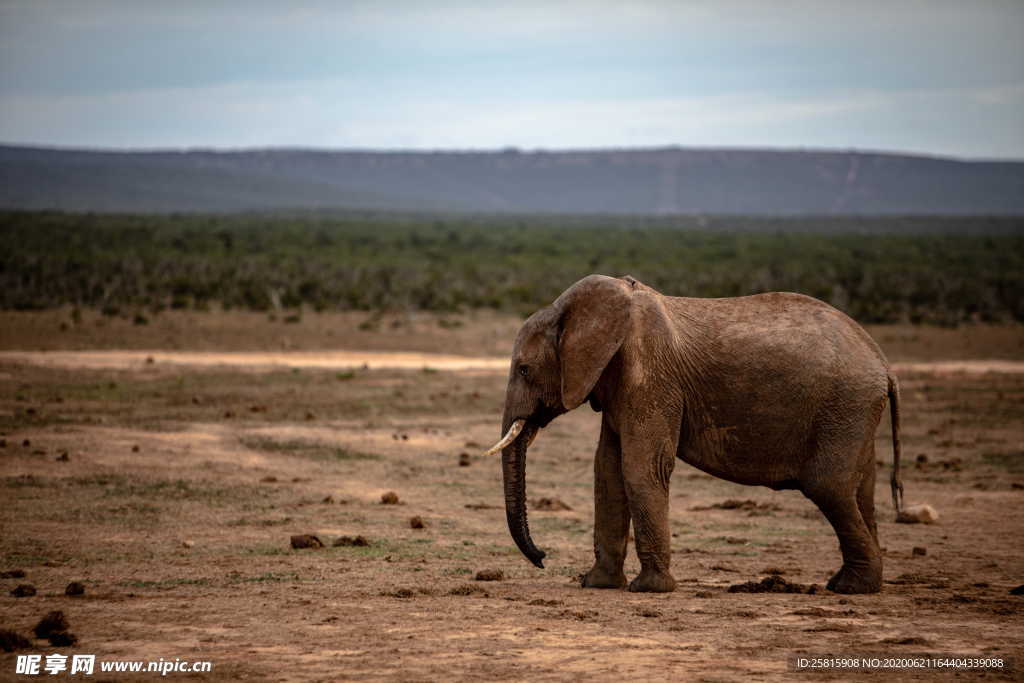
509,437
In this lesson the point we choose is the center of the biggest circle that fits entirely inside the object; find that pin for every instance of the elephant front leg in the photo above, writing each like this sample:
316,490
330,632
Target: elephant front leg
647,467
611,515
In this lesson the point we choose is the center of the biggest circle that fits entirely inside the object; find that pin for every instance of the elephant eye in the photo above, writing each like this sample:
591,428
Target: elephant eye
524,370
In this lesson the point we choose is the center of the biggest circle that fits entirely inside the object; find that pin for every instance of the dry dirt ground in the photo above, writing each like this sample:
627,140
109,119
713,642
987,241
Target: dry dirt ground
171,489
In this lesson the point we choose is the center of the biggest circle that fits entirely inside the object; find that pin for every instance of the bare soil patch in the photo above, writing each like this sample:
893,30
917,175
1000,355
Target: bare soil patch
477,333
255,361
377,360
177,520
474,333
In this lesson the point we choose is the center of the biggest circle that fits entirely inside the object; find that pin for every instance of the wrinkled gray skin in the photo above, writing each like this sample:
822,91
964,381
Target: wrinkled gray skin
778,390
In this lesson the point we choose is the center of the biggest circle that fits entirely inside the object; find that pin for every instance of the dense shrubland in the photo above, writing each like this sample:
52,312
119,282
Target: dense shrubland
879,270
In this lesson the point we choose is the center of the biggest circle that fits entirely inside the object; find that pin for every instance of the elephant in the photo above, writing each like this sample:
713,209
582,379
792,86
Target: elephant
777,389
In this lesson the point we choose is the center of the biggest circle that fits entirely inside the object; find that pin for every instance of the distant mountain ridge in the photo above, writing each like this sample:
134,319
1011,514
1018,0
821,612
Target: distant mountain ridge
666,181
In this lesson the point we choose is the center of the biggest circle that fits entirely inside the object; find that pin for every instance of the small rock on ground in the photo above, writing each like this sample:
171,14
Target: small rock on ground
53,622
63,639
306,541
490,575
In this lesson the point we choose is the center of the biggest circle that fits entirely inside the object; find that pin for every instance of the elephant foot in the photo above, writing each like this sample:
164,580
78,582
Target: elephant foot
850,580
652,582
599,578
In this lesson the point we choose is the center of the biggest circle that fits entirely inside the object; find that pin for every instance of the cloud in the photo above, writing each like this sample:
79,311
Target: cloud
940,76
342,113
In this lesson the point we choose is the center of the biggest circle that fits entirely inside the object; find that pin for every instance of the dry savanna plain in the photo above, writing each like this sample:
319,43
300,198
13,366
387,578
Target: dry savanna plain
169,484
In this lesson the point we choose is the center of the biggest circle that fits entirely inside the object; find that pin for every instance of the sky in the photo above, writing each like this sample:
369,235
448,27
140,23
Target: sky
939,78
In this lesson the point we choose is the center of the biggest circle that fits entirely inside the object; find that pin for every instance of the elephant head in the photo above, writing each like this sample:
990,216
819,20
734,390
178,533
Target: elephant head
559,355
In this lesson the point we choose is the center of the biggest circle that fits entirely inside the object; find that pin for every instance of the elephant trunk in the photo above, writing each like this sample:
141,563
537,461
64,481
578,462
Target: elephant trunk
513,469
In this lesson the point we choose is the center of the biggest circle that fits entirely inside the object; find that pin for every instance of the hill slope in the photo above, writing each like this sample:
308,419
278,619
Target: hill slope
653,181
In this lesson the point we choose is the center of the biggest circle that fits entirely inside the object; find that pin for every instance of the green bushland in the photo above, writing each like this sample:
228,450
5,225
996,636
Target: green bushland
917,269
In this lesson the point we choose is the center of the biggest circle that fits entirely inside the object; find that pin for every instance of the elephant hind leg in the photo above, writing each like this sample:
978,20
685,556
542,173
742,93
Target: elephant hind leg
862,560
866,492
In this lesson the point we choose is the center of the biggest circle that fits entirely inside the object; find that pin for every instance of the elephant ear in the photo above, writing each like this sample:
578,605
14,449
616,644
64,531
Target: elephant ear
595,320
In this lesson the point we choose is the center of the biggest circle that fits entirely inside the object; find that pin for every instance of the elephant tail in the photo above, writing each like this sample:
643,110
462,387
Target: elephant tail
894,413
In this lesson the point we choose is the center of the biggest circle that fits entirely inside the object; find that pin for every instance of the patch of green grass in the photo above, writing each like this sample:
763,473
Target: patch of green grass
347,454
308,449
457,571
24,558
398,549
567,570
103,391
118,486
458,555
373,551
24,481
567,524
267,550
728,540
267,577
249,521
47,418
459,485
256,506
510,549
1011,461
99,480
130,514
164,584
164,424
